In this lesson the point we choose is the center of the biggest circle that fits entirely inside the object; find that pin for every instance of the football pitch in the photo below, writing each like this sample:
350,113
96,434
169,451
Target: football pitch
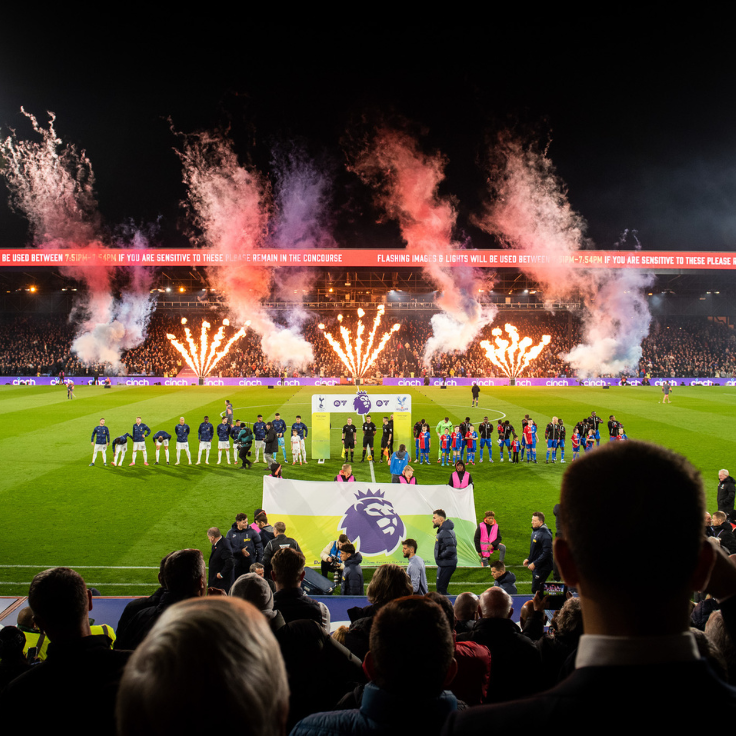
114,524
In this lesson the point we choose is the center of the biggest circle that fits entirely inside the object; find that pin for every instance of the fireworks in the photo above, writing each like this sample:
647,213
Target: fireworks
511,356
204,359
356,359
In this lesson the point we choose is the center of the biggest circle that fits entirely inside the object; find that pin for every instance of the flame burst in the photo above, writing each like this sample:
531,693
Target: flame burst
204,359
511,356
357,359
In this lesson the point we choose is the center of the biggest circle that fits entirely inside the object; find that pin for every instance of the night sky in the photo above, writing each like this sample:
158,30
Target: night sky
642,122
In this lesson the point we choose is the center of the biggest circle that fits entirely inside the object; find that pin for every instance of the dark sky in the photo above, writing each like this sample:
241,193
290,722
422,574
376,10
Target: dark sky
642,121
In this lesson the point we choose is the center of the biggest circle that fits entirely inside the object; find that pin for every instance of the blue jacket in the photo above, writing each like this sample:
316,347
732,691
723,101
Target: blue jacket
280,426
248,539
352,579
445,546
259,431
140,432
206,432
161,435
382,712
507,582
399,461
101,435
540,547
182,432
122,440
301,429
223,432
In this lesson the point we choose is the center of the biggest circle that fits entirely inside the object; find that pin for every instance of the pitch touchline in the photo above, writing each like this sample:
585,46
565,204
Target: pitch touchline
151,567
148,585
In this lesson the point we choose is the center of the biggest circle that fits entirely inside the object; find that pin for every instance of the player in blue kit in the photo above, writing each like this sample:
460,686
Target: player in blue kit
120,447
205,433
100,441
162,438
140,432
279,426
182,439
302,431
561,441
259,434
223,440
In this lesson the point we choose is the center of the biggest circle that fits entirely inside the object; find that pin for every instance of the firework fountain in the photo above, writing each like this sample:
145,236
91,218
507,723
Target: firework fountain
204,358
354,357
512,356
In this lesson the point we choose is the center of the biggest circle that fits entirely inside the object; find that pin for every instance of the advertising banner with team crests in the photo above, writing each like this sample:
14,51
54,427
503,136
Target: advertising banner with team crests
376,517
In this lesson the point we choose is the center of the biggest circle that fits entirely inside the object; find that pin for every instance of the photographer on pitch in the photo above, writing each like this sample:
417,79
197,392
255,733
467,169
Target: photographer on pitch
330,557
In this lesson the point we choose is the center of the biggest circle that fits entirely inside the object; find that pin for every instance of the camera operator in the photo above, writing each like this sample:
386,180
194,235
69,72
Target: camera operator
330,556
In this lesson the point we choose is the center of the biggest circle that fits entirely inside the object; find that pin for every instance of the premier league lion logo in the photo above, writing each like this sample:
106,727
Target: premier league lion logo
362,404
372,524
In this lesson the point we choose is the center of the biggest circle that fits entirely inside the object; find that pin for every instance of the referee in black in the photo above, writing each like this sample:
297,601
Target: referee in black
369,432
348,439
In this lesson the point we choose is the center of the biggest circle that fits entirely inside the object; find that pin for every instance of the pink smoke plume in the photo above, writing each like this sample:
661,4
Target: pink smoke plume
407,181
530,211
230,205
52,185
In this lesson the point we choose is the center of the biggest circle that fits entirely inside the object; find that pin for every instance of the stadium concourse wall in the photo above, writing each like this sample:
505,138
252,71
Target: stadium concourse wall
433,381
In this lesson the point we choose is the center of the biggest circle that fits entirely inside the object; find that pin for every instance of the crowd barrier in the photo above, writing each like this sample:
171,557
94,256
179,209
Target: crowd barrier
433,381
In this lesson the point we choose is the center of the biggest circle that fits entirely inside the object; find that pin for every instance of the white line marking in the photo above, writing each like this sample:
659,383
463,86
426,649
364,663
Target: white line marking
373,474
88,567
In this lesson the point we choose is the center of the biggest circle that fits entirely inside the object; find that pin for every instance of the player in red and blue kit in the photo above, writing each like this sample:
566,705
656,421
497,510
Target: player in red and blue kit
528,441
458,442
575,444
561,441
471,442
445,442
424,442
590,440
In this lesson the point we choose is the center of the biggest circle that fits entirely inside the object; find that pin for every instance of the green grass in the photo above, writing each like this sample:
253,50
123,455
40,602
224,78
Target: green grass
114,524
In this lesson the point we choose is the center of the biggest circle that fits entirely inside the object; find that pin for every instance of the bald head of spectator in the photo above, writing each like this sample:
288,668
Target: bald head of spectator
466,607
193,657
496,603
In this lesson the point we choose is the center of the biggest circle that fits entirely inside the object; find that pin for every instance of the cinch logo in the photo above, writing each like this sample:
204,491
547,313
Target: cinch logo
24,382
634,383
701,383
590,383
665,383
293,382
730,383
410,382
140,382
324,382
447,383
214,382
486,383
523,382
565,383
176,382
54,382
254,382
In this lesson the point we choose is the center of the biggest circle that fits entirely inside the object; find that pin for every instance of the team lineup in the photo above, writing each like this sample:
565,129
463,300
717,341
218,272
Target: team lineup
457,443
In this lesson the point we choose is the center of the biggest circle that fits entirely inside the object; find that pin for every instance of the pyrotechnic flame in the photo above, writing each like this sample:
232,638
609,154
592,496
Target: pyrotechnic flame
203,361
355,359
512,356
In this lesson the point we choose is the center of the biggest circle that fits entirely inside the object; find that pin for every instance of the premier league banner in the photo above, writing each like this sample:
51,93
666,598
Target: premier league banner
363,403
376,517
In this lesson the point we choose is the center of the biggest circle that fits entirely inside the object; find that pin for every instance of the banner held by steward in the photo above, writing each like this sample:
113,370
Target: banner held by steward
375,516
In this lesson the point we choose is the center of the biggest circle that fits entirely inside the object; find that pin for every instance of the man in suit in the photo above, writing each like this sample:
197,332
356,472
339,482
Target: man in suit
637,657
221,561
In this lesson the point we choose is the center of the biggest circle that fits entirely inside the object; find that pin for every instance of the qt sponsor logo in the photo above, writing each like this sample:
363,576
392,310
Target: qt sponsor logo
139,382
254,382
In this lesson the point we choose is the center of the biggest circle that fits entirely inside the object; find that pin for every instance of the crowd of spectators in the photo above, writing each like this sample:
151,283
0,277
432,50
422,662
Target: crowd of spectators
262,656
42,345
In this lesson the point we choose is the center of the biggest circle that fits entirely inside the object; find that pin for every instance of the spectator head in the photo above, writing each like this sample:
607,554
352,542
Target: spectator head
185,574
459,466
569,620
195,654
288,568
408,472
253,588
388,583
401,633
497,569
25,619
340,634
715,630
537,519
346,551
634,474
409,547
496,603
262,519
61,603
527,609
438,517
12,641
161,567
466,607
708,519
444,603
723,474
258,569
719,518
279,528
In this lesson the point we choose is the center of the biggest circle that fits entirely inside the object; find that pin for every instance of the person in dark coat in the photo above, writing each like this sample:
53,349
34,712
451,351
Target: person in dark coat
272,444
289,598
136,606
502,578
445,550
726,492
245,442
221,561
12,662
246,545
352,581
539,561
723,532
279,541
